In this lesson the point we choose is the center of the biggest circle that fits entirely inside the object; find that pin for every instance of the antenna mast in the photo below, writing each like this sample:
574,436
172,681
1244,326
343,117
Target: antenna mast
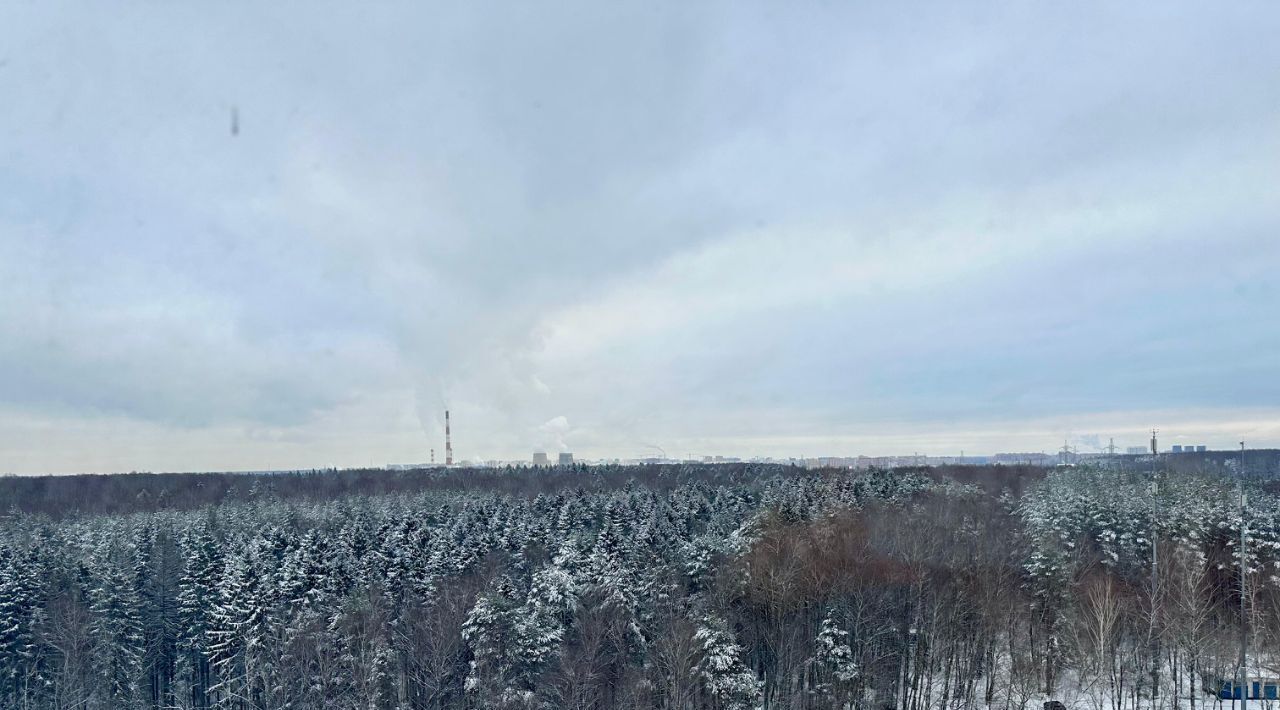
448,442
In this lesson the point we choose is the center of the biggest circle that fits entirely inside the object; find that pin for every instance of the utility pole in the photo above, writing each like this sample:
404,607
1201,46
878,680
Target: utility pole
1244,617
1155,573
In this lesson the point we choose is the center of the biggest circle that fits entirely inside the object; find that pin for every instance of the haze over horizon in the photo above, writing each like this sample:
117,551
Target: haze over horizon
246,236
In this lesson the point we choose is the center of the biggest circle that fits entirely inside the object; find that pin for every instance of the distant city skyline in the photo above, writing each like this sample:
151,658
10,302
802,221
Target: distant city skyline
1082,450
283,236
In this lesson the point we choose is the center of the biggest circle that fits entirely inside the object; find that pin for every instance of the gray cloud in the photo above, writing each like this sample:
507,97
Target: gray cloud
683,224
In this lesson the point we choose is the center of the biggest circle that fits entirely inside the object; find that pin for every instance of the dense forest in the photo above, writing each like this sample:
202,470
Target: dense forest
673,587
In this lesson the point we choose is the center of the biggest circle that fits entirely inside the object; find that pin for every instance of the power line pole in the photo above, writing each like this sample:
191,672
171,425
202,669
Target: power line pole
1155,573
1244,616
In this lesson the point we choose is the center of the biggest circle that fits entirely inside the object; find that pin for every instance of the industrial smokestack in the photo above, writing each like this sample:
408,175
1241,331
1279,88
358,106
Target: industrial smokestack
448,442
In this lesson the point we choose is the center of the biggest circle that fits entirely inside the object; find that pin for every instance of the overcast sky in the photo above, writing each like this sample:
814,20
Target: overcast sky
246,235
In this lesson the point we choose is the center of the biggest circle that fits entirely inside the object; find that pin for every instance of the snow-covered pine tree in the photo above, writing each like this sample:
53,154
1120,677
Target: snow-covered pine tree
834,665
197,590
117,628
19,607
728,682
491,633
244,642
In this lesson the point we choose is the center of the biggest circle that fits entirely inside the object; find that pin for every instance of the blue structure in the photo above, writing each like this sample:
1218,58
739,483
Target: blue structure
1264,689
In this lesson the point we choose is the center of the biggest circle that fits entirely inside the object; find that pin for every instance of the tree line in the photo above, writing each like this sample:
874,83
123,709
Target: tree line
675,587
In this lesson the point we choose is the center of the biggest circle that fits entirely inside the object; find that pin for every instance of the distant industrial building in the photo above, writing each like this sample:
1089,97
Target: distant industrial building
1136,450
1033,458
566,459
540,458
1188,448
